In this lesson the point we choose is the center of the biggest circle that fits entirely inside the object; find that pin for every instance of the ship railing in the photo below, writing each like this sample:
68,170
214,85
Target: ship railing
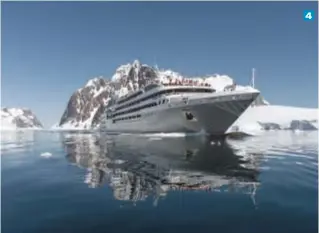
187,84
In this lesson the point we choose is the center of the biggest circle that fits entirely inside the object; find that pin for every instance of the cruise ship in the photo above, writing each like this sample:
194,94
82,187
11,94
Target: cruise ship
167,108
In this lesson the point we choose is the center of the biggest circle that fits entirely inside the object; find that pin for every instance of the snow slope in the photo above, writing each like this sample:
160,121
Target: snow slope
259,118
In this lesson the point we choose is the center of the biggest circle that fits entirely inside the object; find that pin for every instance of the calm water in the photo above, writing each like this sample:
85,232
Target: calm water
73,182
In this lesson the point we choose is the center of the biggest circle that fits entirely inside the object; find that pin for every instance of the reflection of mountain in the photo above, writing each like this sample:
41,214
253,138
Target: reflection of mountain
136,167
13,141
83,149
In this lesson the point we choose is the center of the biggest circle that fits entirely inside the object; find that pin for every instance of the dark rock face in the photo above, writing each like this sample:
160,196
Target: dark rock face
146,74
301,125
270,126
87,103
24,119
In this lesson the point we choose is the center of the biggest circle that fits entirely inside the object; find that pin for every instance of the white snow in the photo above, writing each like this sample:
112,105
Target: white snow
87,124
121,92
121,72
281,115
219,82
98,92
77,125
15,112
9,115
7,123
93,81
124,70
165,75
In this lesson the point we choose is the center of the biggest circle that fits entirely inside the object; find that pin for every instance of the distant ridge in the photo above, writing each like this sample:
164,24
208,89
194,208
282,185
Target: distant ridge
19,118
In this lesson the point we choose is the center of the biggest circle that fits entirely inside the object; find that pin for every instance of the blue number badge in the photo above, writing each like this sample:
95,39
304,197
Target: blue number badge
308,15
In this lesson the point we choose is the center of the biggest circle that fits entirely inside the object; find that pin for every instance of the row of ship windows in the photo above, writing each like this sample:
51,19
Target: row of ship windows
172,91
163,101
147,88
131,97
127,118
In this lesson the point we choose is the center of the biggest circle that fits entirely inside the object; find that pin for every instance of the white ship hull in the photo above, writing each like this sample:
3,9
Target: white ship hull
213,114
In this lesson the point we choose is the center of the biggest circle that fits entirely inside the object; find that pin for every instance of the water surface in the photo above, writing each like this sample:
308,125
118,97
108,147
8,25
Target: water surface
81,182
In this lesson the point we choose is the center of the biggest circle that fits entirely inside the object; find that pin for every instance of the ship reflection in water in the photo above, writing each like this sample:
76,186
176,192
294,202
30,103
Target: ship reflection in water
138,167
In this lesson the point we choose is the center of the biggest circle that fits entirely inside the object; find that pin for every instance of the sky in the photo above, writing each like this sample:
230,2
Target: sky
50,49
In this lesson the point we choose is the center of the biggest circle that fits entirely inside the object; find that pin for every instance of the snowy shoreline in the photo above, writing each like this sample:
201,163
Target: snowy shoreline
262,118
254,120
274,117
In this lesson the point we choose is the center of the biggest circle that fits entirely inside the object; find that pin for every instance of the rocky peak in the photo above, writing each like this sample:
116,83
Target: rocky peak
86,103
96,82
134,76
136,64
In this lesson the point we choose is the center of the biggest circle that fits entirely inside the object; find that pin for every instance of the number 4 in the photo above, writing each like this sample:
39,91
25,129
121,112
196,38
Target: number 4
308,15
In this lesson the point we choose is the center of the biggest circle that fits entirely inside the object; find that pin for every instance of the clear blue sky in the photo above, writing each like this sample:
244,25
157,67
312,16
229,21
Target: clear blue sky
50,49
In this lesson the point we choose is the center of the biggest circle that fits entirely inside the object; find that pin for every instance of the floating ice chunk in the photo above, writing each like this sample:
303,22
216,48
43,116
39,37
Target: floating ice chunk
46,154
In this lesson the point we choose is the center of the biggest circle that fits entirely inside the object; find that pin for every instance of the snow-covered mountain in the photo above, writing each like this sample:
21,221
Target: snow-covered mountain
86,105
19,118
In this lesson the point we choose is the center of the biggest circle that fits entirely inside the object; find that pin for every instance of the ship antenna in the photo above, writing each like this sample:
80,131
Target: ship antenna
253,78
156,67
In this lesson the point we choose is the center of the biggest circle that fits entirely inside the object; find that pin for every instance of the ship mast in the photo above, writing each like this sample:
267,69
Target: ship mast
253,84
253,78
156,67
